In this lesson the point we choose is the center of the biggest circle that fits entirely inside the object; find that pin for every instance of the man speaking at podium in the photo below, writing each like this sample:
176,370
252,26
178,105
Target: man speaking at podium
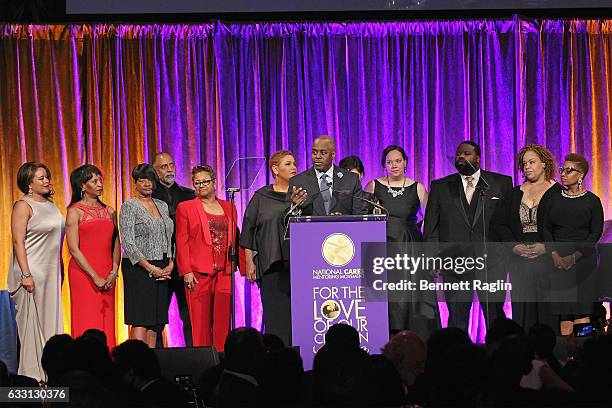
325,189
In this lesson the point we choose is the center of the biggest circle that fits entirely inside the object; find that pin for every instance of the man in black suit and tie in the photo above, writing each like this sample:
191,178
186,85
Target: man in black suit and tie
325,189
454,214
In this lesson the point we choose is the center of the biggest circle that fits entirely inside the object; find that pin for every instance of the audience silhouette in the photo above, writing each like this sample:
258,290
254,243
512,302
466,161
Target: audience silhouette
514,368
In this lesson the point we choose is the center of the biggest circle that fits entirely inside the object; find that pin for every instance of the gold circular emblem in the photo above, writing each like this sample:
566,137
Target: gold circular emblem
338,249
330,309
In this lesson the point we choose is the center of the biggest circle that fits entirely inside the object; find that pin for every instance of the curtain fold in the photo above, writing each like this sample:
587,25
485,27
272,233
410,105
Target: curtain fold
113,95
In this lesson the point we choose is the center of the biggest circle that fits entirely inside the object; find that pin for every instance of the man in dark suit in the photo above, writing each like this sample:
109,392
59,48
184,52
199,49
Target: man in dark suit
172,194
454,215
325,189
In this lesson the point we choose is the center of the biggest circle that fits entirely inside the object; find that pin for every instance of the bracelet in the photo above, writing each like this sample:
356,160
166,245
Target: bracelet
574,258
26,275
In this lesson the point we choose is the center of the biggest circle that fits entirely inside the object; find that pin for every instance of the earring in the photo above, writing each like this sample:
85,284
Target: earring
82,193
580,184
30,192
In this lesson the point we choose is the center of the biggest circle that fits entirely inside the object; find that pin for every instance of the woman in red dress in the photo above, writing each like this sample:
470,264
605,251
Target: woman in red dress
203,235
93,241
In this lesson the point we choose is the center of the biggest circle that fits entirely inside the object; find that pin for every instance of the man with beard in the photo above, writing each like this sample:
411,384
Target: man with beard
454,215
172,194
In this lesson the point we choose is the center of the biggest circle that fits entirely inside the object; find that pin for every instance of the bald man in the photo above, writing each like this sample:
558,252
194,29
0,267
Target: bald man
325,189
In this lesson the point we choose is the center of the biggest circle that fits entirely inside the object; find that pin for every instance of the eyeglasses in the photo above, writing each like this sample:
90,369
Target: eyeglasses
568,170
203,183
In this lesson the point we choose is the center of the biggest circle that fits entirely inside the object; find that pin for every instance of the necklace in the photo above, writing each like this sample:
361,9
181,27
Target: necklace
395,193
564,194
278,189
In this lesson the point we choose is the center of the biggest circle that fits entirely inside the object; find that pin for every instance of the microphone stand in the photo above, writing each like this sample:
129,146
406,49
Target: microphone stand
481,196
232,257
372,203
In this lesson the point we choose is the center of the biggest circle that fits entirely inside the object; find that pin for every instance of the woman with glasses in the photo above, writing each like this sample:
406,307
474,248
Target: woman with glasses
146,231
520,222
203,236
266,250
573,225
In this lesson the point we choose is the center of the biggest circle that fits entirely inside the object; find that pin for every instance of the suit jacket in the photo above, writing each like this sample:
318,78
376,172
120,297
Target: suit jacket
446,219
346,190
193,239
173,196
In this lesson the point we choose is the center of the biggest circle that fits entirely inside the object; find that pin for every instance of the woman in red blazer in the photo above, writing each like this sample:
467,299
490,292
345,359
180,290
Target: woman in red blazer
202,246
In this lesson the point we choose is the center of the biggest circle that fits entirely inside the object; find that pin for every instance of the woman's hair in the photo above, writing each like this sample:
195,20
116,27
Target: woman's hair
389,149
80,176
544,155
276,158
203,168
145,171
352,162
25,175
583,164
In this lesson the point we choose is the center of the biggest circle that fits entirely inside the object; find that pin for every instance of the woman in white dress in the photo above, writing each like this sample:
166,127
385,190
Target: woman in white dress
34,280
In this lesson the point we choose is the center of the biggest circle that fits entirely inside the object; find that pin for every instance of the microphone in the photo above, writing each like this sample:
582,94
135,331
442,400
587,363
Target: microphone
451,159
486,186
346,193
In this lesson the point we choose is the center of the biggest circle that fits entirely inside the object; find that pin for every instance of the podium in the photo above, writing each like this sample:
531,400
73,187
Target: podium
327,281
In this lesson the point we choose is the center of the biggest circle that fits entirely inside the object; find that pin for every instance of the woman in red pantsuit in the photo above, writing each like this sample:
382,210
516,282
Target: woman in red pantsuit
203,235
93,240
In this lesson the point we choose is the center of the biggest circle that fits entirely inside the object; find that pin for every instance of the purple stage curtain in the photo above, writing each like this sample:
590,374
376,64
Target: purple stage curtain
113,95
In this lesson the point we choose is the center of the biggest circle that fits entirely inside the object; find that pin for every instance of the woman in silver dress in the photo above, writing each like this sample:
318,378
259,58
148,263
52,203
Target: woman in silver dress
34,279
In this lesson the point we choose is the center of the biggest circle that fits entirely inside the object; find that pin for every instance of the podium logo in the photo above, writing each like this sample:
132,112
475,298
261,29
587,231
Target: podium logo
338,249
330,309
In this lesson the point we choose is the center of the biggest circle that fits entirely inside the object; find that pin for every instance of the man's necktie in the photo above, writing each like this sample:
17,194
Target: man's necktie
325,194
469,189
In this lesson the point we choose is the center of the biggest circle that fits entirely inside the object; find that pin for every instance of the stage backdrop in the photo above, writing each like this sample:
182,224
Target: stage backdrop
113,95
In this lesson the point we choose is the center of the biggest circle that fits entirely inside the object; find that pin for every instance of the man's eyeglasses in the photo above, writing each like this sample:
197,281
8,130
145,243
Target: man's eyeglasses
568,170
202,183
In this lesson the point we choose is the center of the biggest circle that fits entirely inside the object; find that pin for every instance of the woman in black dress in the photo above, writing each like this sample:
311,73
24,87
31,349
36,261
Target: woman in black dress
573,226
267,254
405,200
520,222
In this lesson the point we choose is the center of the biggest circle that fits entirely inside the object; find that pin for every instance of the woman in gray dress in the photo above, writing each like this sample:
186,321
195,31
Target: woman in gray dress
148,260
34,279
